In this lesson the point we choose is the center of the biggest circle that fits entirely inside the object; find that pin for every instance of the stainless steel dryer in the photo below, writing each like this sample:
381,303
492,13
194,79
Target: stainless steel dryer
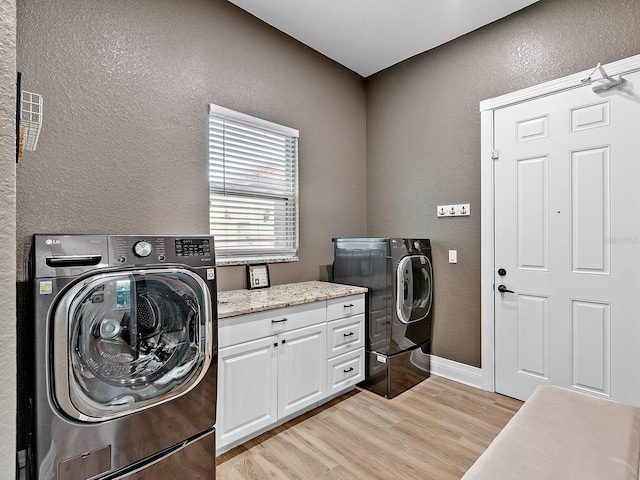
398,274
124,357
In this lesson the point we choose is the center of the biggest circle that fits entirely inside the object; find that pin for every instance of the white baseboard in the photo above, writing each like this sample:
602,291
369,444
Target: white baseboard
458,372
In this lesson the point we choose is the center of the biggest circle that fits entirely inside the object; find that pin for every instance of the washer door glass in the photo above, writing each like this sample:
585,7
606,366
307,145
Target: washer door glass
133,338
414,288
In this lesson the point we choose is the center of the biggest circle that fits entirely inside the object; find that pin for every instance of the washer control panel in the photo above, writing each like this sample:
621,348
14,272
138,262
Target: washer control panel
194,251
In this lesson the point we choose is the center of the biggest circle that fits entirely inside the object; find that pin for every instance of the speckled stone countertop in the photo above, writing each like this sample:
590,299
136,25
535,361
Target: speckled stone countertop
240,302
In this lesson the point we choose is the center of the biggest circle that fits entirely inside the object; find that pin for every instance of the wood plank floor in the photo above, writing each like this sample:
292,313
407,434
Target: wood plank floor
436,430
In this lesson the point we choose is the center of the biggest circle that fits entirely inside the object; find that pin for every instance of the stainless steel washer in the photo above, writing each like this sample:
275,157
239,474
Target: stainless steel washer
398,274
124,357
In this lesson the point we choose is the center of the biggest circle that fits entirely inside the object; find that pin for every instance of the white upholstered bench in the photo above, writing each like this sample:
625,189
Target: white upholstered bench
563,434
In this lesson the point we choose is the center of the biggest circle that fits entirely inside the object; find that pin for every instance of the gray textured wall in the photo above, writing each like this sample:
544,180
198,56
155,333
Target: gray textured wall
123,146
423,135
7,236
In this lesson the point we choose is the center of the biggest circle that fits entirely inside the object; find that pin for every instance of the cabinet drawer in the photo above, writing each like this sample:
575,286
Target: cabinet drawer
345,335
345,371
345,306
252,326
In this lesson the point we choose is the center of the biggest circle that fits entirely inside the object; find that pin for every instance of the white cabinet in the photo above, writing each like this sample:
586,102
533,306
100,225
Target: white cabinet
270,364
247,389
344,371
345,306
345,343
276,363
345,335
301,368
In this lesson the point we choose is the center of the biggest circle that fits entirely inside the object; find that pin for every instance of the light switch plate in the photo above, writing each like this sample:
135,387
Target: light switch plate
453,256
459,210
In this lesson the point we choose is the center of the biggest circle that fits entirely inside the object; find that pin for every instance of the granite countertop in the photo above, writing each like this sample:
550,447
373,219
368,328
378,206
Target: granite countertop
240,302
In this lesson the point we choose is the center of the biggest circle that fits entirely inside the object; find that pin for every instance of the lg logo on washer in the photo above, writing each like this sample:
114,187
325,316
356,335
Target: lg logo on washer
51,241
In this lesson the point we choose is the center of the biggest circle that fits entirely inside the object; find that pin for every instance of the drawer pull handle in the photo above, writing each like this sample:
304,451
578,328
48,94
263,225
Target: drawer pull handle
350,305
348,334
350,369
280,321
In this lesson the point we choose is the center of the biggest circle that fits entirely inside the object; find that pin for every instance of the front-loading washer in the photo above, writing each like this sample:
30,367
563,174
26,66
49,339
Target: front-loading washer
124,357
398,274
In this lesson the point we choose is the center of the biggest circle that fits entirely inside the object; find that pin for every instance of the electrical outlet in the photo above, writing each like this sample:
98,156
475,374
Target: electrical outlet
460,210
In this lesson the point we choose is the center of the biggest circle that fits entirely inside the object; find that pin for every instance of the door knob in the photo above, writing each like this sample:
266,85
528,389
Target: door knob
503,289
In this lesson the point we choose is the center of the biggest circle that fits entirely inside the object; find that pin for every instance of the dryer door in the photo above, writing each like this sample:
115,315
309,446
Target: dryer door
125,340
414,288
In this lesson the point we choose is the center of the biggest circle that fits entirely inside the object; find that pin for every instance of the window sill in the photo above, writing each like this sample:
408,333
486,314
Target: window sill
234,262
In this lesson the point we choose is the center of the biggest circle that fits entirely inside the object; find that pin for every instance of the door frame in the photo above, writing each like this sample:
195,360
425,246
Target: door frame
487,186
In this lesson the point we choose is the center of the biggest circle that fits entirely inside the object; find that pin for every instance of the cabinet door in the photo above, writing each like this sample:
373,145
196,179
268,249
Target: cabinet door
247,389
302,371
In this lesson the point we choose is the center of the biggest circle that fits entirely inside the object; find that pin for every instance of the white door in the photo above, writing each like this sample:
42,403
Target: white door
302,368
247,389
567,234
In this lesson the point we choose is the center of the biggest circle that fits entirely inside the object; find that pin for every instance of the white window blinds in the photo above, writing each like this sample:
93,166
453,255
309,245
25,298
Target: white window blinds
253,187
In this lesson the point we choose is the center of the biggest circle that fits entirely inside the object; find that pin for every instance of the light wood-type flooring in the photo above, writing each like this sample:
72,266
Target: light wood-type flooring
436,430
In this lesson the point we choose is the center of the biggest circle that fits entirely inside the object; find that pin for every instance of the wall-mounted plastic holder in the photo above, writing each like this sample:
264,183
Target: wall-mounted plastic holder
460,210
30,120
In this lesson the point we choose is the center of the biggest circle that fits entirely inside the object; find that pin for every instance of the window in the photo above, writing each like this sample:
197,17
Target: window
253,187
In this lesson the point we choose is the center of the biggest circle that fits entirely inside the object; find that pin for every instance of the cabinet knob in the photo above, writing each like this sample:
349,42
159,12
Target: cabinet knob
275,344
284,341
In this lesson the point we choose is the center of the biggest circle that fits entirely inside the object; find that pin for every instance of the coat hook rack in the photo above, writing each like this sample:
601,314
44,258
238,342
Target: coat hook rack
609,82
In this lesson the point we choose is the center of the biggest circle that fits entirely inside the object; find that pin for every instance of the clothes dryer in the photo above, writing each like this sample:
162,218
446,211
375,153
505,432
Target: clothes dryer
124,357
398,274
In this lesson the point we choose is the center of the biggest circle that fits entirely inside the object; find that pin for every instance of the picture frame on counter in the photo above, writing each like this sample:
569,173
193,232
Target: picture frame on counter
258,276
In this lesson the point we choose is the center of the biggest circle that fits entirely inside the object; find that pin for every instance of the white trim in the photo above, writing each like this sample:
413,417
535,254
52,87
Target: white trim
458,372
487,108
255,121
487,252
620,67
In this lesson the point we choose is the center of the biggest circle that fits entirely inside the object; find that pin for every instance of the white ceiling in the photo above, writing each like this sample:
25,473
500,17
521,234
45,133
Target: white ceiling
367,36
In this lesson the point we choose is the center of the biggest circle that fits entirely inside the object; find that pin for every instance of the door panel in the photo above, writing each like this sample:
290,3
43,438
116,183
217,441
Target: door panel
590,210
532,200
248,394
533,338
567,231
302,368
591,346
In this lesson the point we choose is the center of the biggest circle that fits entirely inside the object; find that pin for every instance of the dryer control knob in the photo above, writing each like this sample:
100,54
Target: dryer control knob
142,249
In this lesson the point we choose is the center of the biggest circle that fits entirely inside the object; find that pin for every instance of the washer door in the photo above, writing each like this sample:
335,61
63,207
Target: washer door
414,288
126,340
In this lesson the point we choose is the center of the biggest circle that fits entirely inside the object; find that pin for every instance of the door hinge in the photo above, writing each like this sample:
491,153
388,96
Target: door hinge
495,154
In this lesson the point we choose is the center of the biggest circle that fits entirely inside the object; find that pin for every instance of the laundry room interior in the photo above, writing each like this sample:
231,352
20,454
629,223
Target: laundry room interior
124,142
